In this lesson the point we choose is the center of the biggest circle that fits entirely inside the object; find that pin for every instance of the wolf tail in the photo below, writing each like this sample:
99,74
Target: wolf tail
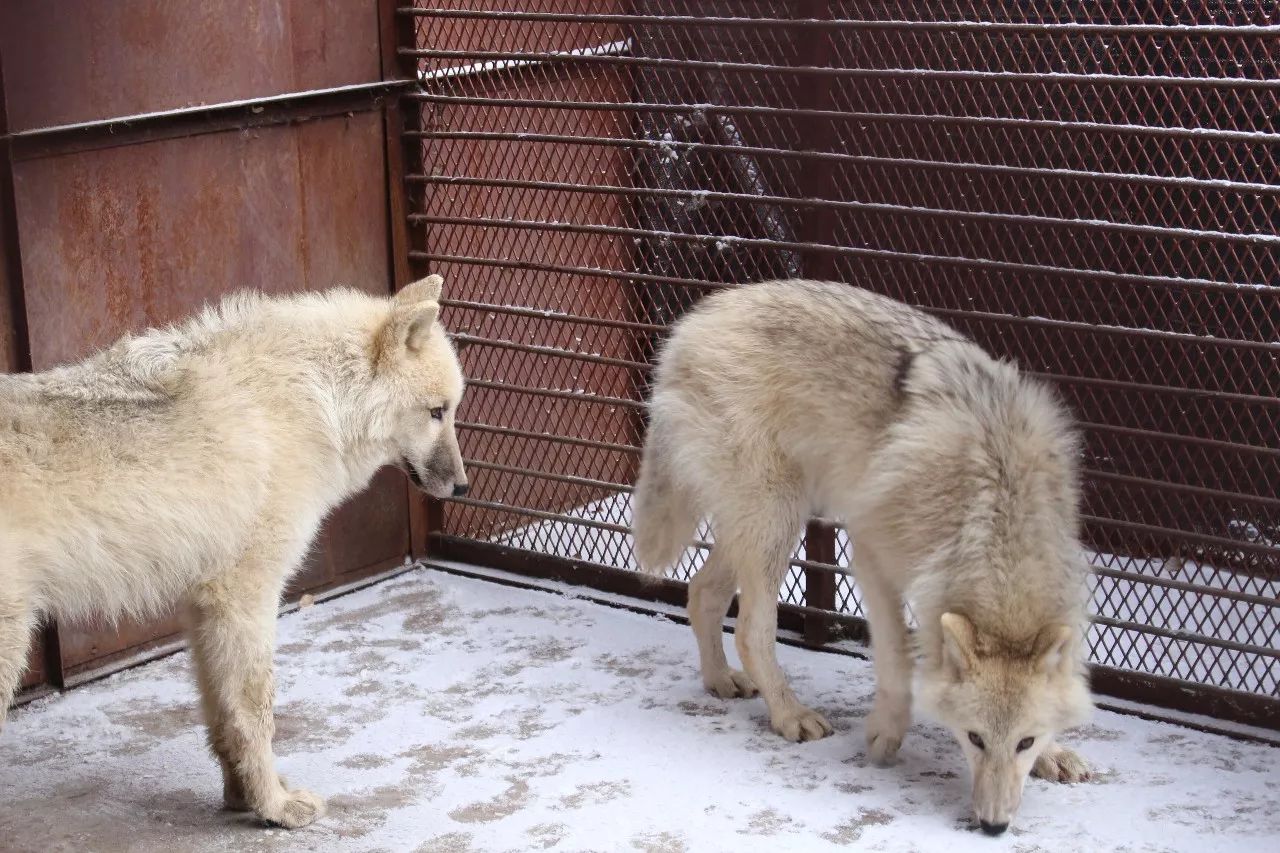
664,517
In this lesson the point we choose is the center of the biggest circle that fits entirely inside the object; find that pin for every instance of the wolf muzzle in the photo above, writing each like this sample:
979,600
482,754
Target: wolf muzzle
415,477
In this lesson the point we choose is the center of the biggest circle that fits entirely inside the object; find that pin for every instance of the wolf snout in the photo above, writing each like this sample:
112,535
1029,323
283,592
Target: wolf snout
993,828
435,482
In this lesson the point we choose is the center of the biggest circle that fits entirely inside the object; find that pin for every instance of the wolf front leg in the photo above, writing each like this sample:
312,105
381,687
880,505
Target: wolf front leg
1059,764
891,655
232,637
759,549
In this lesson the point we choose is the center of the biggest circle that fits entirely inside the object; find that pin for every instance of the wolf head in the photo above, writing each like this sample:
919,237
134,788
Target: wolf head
1004,705
415,359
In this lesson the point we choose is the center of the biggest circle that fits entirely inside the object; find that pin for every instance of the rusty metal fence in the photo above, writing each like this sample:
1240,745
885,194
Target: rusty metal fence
1092,189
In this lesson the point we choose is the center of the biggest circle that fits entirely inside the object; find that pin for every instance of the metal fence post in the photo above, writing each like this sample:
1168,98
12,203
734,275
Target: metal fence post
818,226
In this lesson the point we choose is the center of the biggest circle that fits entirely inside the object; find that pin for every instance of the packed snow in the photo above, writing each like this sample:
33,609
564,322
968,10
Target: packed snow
1128,598
441,713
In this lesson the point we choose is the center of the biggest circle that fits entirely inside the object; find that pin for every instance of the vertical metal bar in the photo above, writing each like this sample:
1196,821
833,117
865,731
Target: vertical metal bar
643,347
818,227
391,32
404,156
819,586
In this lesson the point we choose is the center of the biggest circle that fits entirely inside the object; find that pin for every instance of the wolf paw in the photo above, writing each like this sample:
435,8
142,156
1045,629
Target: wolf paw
731,684
800,724
234,798
886,726
1059,764
296,809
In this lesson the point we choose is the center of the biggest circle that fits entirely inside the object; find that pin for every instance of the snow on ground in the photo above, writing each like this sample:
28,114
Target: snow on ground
438,713
1127,599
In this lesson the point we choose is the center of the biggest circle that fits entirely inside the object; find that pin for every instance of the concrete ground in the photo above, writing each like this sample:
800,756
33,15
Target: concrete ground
441,713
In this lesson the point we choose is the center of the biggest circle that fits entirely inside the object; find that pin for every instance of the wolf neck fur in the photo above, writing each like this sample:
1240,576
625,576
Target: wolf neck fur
1003,473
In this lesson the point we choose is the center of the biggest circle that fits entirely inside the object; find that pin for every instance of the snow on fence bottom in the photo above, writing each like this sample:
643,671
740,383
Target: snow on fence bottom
1130,599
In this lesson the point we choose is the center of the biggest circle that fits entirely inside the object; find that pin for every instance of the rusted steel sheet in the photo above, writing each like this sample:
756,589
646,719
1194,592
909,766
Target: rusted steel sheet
366,533
372,528
35,673
71,61
123,238
91,646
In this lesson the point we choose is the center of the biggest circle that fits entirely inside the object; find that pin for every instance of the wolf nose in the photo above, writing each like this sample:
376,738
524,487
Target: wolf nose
461,489
993,828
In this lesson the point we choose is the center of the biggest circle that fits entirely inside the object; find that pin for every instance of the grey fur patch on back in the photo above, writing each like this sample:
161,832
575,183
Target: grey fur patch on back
901,371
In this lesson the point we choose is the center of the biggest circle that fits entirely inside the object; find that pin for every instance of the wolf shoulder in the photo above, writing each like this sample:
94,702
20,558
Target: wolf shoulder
784,340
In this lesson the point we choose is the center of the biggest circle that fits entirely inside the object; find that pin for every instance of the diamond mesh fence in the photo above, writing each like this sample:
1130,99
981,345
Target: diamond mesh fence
1091,190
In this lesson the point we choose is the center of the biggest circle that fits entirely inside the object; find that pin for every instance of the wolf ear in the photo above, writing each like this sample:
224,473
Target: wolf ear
958,642
423,290
413,311
1050,649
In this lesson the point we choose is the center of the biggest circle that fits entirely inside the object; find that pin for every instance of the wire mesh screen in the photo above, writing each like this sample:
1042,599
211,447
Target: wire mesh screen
1090,189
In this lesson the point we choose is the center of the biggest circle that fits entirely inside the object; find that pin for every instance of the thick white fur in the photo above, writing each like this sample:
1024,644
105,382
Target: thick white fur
956,476
195,464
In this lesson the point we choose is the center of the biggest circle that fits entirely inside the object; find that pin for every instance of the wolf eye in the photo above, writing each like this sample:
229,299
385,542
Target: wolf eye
437,414
1025,744
976,740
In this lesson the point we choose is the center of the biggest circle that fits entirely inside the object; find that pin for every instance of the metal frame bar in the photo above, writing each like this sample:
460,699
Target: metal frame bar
496,60
1161,131
1064,28
286,108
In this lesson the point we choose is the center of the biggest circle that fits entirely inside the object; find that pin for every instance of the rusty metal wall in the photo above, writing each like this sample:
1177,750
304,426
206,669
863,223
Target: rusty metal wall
1090,189
158,155
72,61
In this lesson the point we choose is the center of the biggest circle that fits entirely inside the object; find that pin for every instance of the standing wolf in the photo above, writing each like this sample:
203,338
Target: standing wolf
956,476
195,464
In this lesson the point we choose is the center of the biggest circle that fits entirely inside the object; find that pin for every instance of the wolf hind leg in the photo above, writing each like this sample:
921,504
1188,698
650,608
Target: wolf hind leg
710,593
758,543
17,621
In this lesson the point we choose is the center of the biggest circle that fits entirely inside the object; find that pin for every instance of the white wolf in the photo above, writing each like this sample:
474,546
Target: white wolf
957,479
194,464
